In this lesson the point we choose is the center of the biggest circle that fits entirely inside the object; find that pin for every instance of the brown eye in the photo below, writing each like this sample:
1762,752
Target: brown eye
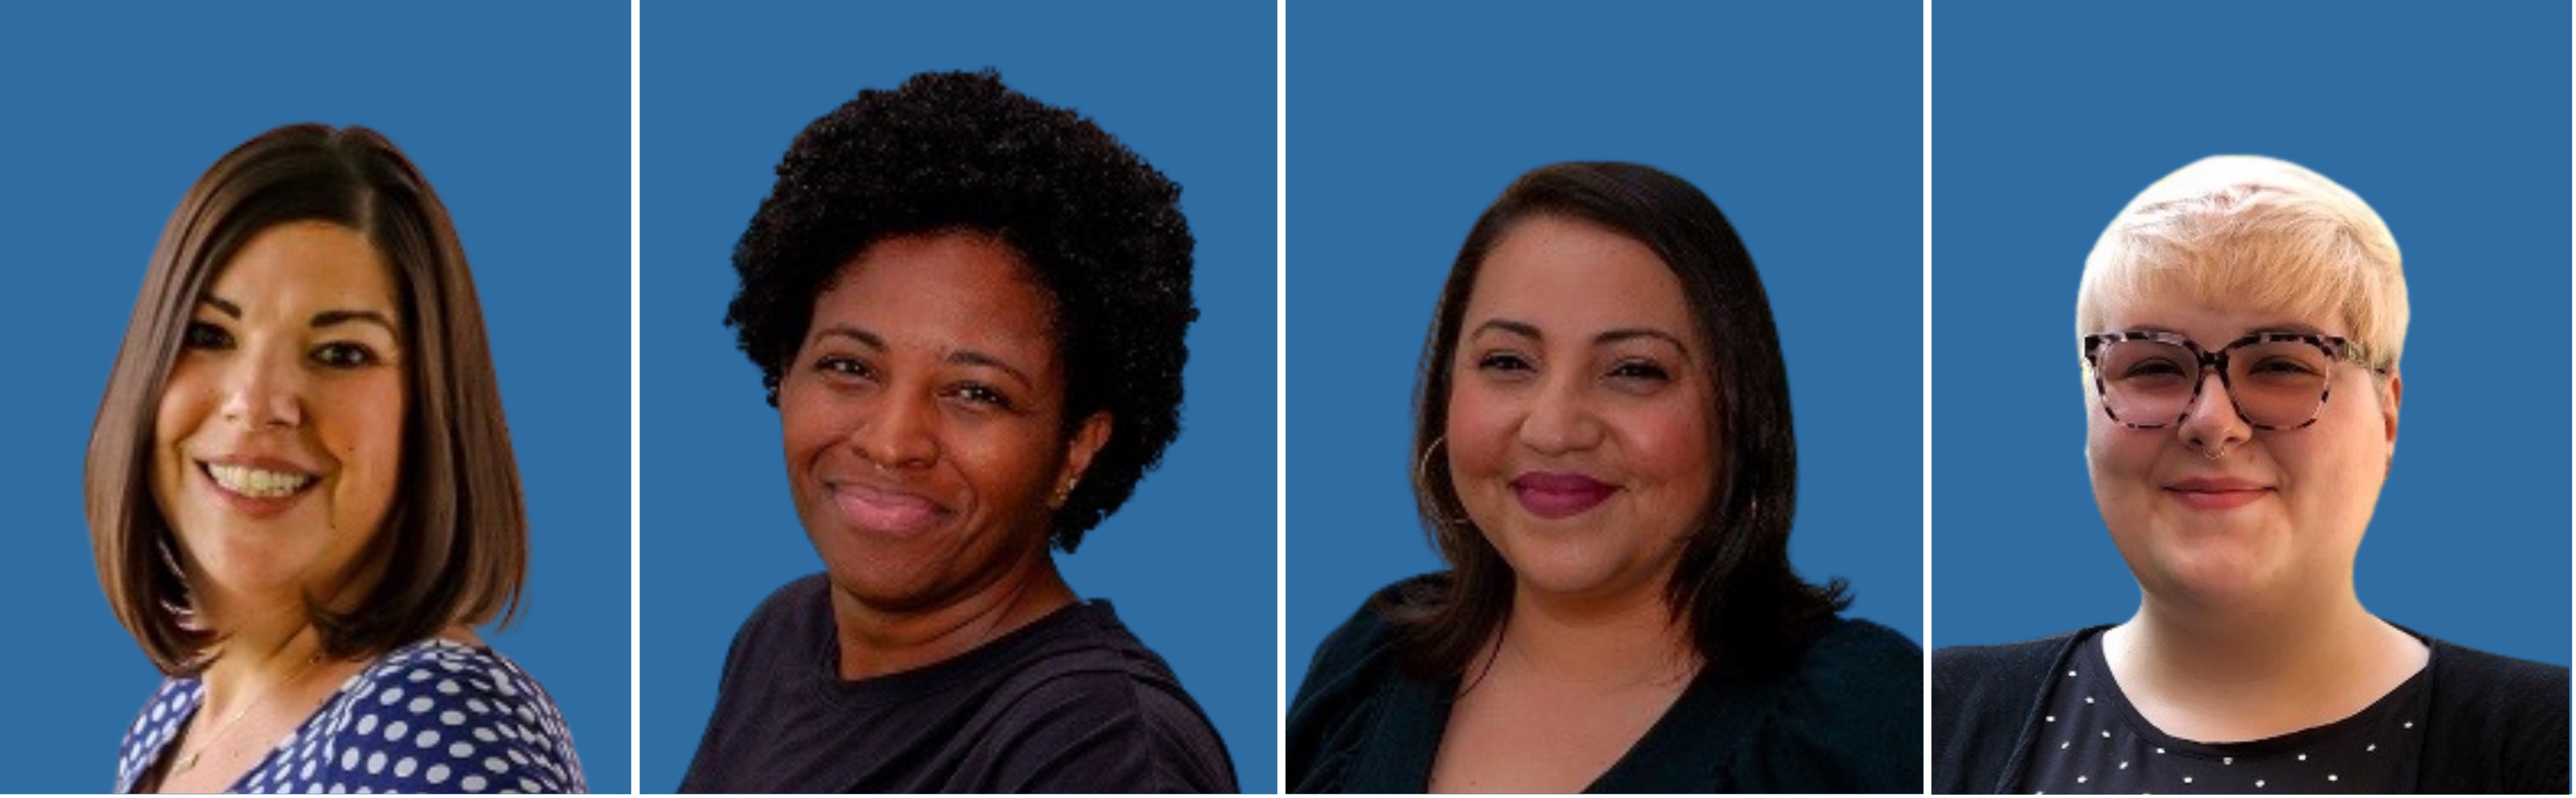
844,367
201,335
1502,361
1640,370
345,356
983,395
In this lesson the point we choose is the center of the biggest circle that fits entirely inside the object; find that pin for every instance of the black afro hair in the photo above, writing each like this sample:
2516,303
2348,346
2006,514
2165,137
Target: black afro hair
958,151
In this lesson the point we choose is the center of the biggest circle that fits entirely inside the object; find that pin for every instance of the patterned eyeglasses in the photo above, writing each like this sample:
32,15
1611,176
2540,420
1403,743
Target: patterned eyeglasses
2275,380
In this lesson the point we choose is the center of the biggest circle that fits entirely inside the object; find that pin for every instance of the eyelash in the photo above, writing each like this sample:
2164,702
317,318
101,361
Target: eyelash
845,367
984,395
335,355
1502,361
1625,369
1640,370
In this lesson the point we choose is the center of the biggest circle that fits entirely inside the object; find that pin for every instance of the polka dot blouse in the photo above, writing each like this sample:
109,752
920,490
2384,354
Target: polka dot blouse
2091,740
433,716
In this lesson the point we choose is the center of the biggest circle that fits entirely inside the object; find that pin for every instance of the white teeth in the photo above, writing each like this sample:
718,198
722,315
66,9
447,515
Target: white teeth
257,482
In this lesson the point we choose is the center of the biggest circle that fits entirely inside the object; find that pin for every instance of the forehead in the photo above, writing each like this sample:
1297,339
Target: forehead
1559,273
303,265
2213,317
943,289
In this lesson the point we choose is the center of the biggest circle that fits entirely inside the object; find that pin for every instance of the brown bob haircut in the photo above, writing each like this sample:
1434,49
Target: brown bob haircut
454,545
1748,614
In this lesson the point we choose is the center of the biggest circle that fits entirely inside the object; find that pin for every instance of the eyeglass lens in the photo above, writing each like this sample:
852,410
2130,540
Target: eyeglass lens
2274,383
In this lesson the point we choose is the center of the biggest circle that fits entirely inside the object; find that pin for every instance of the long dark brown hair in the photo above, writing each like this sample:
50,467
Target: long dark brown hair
454,546
1748,612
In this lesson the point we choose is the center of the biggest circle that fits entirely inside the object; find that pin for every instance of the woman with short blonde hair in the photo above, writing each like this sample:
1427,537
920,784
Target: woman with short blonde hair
2240,324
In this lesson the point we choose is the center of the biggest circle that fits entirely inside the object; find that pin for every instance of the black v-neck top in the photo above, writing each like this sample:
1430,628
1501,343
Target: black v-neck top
1846,719
2092,740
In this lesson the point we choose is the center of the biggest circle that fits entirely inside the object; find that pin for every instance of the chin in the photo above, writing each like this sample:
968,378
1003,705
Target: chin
879,584
2212,573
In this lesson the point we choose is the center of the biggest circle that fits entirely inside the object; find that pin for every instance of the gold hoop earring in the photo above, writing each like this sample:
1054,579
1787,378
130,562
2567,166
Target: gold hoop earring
1422,477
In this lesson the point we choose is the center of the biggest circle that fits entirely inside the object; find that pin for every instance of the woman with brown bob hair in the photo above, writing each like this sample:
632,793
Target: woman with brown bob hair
301,493
1605,460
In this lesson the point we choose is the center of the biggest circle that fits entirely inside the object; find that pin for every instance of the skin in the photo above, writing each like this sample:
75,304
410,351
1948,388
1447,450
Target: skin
2249,625
1578,357
925,447
294,363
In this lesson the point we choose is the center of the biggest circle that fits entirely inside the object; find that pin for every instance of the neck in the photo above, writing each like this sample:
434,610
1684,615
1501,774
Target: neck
1609,641
260,641
2250,670
2286,637
877,641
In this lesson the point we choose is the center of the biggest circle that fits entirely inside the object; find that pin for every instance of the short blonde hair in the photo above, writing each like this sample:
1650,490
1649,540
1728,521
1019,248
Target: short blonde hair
2245,230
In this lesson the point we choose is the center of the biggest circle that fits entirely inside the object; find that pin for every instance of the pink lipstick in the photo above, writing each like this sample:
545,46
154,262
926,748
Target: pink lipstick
1554,496
886,511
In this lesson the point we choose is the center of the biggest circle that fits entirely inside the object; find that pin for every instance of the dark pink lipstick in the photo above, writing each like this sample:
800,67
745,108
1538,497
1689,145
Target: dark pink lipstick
1554,496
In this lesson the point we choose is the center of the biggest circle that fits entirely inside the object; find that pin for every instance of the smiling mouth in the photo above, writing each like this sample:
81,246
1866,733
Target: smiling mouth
886,511
1553,496
2216,498
255,482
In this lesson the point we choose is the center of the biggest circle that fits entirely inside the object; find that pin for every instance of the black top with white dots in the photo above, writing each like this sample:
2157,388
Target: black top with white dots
2093,741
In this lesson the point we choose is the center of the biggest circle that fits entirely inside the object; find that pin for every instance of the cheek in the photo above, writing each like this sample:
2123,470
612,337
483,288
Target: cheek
2119,454
184,406
1011,462
1479,430
366,437
1669,445
806,424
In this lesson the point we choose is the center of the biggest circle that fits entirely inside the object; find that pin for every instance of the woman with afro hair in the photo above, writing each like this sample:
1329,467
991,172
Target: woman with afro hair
970,310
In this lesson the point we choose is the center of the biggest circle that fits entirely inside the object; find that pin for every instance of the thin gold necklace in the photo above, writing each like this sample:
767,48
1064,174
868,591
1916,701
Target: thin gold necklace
188,761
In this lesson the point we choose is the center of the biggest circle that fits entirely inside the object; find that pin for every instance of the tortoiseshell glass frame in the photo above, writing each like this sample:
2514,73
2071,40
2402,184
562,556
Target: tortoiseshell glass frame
2335,347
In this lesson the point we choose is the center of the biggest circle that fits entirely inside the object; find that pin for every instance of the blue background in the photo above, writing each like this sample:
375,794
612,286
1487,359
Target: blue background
1804,123
1191,561
2452,121
520,122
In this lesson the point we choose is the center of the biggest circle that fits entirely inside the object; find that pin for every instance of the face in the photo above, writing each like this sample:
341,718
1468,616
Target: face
2277,514
1581,411
278,441
923,417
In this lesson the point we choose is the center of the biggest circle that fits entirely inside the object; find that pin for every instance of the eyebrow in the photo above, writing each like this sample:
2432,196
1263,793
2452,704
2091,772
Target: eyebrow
2268,327
963,357
1528,330
328,318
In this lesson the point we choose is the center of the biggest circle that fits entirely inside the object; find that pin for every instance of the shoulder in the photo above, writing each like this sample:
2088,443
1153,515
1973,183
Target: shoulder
154,727
1093,709
2469,673
1364,645
789,610
1848,718
1336,707
1963,676
2496,719
439,716
1855,683
1982,697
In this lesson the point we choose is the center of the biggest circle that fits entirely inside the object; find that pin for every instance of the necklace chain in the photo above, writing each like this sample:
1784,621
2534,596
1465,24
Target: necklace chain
188,761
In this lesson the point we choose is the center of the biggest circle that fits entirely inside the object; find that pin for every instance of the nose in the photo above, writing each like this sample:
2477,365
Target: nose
2210,424
262,393
897,432
1561,417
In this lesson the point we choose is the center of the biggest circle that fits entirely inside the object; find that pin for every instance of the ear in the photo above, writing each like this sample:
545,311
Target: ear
2388,409
1086,443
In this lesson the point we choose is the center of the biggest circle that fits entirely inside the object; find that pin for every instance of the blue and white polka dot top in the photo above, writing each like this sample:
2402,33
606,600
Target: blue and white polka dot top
432,716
